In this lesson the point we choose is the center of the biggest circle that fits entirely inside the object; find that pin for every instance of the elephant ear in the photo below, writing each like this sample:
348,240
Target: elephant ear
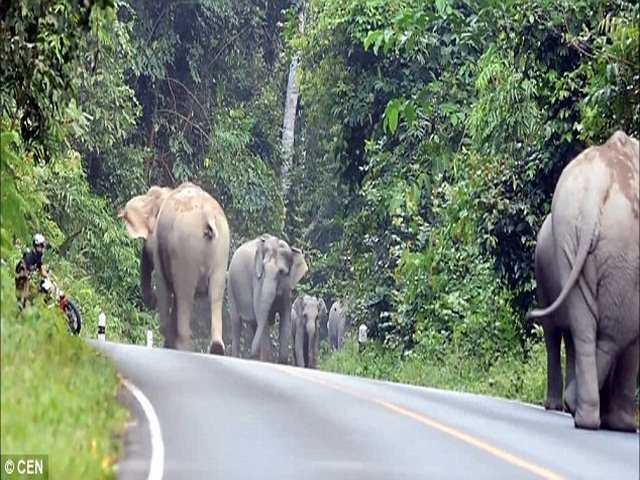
322,312
258,262
139,216
298,267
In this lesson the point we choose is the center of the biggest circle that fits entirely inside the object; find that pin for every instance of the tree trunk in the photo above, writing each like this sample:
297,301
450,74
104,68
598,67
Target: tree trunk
290,108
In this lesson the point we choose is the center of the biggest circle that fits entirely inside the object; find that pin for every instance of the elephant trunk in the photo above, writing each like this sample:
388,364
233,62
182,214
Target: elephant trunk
146,267
311,339
263,313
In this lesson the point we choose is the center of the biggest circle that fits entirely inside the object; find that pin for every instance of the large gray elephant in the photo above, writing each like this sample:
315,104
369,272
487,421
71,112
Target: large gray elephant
307,314
596,233
337,325
186,239
556,325
262,275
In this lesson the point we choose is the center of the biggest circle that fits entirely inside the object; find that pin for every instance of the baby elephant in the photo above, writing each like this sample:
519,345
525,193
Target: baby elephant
307,314
337,325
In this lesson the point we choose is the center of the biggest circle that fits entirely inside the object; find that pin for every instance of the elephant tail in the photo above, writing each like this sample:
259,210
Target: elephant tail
210,229
589,225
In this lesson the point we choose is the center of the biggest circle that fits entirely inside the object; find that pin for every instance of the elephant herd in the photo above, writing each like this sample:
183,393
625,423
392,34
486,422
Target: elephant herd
186,241
586,268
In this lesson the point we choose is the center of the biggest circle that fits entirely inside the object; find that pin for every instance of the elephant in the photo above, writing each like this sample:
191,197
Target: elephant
307,314
186,240
556,326
262,275
595,224
337,325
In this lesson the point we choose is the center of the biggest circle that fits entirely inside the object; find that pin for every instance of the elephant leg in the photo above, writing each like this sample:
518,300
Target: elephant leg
184,340
583,398
342,331
618,413
570,358
299,347
216,292
166,312
250,334
552,340
235,330
606,392
184,292
284,335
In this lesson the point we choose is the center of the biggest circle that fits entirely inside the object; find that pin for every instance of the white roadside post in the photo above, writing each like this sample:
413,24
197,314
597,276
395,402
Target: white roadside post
102,326
149,338
362,336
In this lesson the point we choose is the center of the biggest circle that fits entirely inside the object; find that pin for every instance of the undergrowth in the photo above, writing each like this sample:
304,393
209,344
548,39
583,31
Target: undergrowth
59,395
507,377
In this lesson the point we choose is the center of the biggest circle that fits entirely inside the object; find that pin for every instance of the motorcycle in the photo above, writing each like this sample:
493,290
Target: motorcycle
68,307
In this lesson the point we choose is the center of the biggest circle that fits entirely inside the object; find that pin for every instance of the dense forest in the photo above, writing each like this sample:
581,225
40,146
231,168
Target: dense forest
429,137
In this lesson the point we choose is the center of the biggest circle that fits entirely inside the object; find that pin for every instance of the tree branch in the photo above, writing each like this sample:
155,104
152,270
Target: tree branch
182,117
66,245
192,95
227,43
164,10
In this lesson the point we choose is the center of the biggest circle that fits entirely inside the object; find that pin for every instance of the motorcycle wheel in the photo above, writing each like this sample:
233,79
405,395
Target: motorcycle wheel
74,322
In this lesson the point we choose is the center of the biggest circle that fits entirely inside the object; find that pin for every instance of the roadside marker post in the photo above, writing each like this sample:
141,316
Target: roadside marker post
149,338
102,326
362,337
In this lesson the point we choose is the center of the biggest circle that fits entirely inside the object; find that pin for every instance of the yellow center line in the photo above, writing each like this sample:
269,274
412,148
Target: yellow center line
484,446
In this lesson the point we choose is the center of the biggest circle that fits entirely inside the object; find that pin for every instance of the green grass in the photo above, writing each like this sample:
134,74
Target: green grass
58,395
508,377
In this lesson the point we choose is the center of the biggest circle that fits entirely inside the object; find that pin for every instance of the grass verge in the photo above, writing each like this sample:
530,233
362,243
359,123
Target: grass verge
58,395
508,377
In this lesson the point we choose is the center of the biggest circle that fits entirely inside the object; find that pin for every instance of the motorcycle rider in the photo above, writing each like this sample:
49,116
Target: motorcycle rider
30,261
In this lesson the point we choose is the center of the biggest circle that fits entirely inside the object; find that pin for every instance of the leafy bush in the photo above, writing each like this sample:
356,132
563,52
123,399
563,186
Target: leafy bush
52,399
453,369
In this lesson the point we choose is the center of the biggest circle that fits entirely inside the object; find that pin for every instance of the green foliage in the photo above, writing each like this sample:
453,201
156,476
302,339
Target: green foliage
450,123
15,198
248,189
429,139
49,385
509,377
613,79
41,43
53,400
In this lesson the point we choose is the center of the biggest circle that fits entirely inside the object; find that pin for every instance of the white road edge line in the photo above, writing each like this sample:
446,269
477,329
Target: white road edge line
156,465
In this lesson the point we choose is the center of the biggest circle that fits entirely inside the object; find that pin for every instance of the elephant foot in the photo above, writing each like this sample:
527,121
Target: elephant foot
185,344
586,421
553,404
216,347
619,423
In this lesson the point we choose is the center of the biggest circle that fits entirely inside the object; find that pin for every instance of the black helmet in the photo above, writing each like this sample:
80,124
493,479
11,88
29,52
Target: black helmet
38,241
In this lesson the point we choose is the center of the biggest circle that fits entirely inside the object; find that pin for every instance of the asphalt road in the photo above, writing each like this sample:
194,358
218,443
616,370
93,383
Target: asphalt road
200,416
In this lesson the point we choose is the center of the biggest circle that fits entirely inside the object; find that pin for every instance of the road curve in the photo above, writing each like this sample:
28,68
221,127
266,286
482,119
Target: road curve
227,418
